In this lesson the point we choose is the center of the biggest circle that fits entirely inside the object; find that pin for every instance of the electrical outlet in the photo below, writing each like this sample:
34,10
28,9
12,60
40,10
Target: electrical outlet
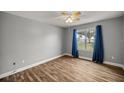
14,63
23,61
113,57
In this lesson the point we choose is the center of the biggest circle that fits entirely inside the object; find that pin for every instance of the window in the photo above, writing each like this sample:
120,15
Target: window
86,39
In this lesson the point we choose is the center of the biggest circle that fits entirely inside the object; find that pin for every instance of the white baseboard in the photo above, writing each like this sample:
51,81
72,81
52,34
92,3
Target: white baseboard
47,60
105,62
87,58
67,54
27,67
114,64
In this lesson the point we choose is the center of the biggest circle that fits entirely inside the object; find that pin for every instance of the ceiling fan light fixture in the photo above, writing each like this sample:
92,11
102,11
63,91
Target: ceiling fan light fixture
69,20
66,21
71,16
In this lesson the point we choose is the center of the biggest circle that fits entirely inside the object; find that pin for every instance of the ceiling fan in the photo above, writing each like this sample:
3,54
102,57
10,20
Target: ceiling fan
70,17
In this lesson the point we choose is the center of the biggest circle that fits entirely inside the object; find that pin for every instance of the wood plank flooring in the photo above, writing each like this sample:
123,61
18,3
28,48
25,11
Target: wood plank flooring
68,69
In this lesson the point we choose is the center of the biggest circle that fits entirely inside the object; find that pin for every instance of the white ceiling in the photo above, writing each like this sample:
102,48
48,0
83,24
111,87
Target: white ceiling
53,17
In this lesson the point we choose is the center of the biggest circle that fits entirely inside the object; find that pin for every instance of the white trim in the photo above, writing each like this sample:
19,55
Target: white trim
47,60
114,64
27,67
105,62
87,58
68,54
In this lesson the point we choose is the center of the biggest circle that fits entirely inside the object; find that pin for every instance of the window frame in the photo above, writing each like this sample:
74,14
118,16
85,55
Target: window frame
85,30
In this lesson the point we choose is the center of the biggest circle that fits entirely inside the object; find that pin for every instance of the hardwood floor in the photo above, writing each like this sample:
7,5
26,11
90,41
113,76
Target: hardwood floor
68,69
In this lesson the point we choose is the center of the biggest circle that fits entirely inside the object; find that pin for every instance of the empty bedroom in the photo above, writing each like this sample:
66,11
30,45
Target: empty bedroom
61,46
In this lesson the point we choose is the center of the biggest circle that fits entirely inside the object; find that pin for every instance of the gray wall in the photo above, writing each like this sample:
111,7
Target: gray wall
32,41
123,40
28,40
112,37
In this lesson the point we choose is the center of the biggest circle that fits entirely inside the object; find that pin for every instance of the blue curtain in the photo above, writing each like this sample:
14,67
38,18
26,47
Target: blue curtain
74,44
98,53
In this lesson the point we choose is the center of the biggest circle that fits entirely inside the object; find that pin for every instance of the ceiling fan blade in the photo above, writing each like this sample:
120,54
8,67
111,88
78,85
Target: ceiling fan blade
59,18
63,16
64,13
76,14
76,19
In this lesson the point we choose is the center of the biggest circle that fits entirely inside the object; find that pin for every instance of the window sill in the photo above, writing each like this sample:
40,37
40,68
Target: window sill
85,51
